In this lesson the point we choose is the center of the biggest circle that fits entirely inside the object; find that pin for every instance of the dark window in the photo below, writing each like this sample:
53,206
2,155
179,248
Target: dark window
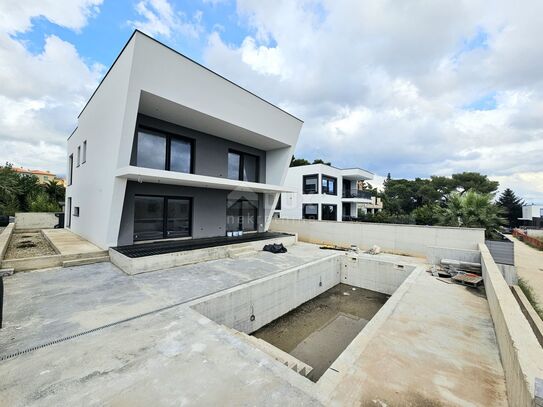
278,206
310,211
180,155
329,185
78,155
158,217
70,169
329,212
234,165
242,166
151,151
164,151
68,219
84,160
311,184
241,214
76,210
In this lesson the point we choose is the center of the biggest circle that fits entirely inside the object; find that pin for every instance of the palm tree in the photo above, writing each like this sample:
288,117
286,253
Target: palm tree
55,191
472,210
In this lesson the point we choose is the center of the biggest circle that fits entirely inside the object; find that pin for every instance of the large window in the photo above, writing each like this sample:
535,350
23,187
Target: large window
311,184
242,166
329,185
241,214
70,169
158,217
164,151
310,211
329,212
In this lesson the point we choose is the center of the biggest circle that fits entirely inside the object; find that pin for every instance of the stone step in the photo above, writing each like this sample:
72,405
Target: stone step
85,255
83,261
283,357
241,251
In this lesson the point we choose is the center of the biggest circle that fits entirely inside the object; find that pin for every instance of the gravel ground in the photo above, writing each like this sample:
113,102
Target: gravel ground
24,245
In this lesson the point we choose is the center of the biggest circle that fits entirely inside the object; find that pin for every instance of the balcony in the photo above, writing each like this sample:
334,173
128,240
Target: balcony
356,193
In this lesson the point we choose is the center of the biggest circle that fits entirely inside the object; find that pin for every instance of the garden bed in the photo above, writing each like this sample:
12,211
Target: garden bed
28,244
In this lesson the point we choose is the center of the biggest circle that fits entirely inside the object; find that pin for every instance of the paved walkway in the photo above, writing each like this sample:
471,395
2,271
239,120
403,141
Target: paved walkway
68,243
529,264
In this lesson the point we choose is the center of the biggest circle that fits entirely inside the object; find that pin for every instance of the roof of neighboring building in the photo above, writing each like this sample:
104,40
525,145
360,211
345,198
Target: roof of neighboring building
337,168
29,171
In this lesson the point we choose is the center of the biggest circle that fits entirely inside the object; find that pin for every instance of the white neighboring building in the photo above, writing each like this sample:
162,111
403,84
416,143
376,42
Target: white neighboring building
324,192
167,149
532,215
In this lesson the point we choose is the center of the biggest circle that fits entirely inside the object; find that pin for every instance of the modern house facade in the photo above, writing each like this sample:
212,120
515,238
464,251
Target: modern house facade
323,192
167,149
532,216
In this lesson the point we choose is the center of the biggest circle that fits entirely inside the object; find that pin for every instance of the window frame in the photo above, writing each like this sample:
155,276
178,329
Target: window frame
328,178
78,156
84,156
165,216
240,216
242,156
76,211
168,135
68,219
309,204
70,169
304,192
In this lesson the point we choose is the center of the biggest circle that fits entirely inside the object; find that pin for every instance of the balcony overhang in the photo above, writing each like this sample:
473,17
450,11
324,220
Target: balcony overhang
153,176
356,174
357,200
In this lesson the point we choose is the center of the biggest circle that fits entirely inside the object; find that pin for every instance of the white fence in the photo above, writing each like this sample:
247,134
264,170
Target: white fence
401,239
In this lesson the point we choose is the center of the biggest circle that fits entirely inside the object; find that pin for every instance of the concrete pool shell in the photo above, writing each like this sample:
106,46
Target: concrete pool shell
167,357
253,306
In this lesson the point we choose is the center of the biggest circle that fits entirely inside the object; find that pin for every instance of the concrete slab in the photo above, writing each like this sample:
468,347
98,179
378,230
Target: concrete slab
45,305
69,244
437,347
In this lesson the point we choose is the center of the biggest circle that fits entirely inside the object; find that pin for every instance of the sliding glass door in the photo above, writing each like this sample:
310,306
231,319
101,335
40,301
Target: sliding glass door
159,217
241,214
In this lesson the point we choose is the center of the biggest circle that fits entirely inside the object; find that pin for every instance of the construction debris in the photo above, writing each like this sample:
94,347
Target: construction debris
374,250
461,272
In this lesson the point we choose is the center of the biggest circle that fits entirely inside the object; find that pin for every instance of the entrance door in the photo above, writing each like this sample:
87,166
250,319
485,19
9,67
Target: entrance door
159,217
346,209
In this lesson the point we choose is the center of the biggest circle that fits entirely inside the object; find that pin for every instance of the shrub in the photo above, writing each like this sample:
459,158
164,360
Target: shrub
41,202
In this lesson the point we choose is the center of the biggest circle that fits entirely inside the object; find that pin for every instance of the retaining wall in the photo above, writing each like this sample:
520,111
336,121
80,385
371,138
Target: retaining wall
401,239
436,254
521,355
5,236
35,220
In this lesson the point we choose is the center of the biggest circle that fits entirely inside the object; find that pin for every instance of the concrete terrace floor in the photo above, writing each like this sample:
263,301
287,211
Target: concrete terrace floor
436,348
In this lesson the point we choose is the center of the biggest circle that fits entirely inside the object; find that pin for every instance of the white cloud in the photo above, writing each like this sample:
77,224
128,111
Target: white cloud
383,85
159,17
41,94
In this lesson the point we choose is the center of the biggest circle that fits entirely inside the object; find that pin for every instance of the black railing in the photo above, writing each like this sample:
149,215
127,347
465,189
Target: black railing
356,193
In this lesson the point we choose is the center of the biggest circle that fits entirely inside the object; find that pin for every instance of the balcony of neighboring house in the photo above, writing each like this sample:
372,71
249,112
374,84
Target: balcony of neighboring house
356,193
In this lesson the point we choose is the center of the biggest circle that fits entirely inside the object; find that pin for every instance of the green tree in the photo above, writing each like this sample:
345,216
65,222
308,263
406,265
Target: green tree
429,214
55,190
9,190
297,162
320,161
473,181
41,202
472,209
512,207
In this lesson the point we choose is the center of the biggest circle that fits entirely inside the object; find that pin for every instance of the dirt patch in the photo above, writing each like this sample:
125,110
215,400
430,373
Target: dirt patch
28,244
319,330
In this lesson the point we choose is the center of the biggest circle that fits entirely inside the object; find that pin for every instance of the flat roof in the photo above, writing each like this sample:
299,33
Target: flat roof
187,58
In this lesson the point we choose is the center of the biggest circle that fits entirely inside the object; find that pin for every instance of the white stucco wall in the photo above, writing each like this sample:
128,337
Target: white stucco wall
108,124
35,220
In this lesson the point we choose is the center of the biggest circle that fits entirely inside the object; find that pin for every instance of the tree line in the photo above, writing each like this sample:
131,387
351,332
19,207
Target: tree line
24,193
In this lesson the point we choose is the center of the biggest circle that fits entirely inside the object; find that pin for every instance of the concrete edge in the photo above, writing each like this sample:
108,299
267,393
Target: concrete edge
331,378
5,237
133,266
520,352
33,263
529,312
48,239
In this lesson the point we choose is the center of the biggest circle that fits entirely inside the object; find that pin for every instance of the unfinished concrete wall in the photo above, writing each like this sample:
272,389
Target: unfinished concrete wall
5,236
373,274
521,355
402,239
35,220
255,304
436,254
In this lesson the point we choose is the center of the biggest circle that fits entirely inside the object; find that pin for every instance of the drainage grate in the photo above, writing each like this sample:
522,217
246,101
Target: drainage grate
152,249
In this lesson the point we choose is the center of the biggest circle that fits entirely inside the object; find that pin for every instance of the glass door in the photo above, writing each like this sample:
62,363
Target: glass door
148,217
178,217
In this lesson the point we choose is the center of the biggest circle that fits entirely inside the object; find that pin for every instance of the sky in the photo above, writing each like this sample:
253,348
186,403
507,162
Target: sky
407,87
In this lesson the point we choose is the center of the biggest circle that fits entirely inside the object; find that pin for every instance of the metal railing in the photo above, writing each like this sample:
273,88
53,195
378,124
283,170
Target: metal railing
356,193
